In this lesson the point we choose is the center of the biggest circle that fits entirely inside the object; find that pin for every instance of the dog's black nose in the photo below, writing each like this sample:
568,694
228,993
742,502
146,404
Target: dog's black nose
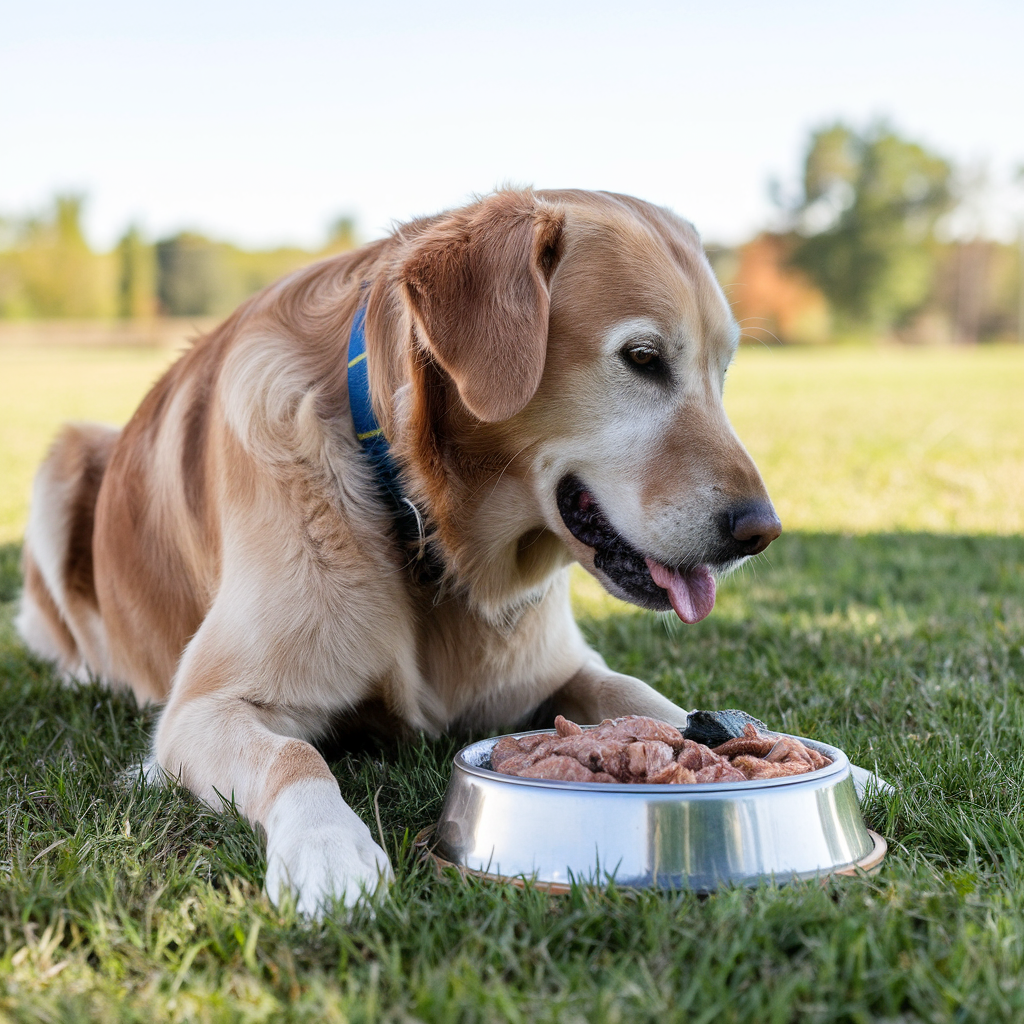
754,526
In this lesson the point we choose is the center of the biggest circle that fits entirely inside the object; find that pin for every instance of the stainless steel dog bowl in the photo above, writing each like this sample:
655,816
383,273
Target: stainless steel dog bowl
665,836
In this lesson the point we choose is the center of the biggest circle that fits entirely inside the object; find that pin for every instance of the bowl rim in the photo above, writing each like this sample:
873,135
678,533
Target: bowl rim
840,765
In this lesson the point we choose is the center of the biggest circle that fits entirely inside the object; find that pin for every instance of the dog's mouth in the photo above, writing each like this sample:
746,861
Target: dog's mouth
688,590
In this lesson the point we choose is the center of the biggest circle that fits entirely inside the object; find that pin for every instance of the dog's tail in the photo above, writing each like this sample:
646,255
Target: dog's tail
59,615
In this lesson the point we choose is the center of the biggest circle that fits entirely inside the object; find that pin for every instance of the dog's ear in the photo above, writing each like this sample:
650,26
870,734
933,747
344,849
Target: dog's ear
477,284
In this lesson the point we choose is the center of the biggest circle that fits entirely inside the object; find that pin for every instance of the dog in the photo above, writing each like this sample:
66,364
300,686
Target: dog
542,382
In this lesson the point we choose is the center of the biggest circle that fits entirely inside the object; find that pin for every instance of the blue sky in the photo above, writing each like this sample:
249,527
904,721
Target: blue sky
261,122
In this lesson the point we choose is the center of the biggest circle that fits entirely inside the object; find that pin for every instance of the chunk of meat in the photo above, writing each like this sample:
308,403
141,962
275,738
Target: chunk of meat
751,742
514,764
566,728
788,749
535,740
525,750
696,756
645,757
758,768
818,759
596,752
507,747
723,771
640,727
673,774
565,769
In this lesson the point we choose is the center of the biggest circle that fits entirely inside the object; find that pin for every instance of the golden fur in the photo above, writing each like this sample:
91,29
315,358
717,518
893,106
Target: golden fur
227,553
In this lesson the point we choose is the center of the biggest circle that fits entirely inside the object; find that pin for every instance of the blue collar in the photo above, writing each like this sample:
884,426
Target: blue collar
408,521
368,430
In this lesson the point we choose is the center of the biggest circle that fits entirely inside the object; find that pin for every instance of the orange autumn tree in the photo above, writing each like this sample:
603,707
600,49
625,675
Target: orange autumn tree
770,298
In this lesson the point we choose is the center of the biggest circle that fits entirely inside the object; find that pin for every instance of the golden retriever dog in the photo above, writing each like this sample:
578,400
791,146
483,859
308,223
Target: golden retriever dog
543,382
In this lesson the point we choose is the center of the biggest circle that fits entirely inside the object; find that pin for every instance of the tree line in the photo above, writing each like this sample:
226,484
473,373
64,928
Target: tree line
860,252
49,271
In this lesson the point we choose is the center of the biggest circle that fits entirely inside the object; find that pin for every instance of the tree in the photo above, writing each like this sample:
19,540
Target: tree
135,284
60,276
865,223
188,275
341,235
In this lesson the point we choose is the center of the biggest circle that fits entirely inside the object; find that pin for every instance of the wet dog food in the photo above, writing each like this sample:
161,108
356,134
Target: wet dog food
643,750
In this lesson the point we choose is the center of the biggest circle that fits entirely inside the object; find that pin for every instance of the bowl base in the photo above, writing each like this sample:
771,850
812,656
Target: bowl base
870,864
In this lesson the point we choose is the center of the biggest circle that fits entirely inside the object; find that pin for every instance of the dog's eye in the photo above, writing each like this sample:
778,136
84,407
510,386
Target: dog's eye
644,356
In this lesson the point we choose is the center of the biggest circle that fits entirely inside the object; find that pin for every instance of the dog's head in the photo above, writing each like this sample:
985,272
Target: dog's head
569,352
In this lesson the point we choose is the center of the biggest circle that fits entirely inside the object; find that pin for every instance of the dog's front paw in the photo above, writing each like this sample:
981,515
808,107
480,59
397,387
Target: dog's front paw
325,864
320,853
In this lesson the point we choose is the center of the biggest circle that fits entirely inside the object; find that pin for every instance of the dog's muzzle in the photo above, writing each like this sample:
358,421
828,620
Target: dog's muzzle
689,589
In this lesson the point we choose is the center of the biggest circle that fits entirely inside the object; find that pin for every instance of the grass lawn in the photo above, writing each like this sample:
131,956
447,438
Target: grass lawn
40,388
903,646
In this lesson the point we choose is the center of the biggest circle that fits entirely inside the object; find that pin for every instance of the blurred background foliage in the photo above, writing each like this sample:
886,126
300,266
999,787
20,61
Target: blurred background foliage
865,225
864,248
48,270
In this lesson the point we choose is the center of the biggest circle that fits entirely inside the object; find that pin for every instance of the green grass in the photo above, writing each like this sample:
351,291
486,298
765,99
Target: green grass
124,903
871,629
861,440
40,388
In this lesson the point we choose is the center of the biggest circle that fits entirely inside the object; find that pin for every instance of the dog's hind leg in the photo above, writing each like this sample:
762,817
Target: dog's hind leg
40,622
59,617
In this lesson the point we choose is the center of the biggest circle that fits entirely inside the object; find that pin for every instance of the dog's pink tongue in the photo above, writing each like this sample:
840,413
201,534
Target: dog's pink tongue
692,595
